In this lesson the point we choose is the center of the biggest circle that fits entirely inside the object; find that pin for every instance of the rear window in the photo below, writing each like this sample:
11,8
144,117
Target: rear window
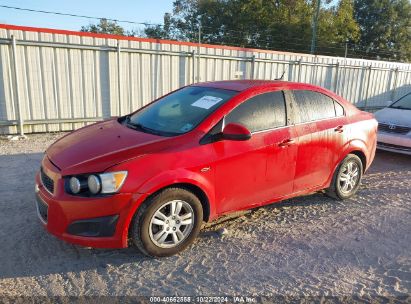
261,112
314,106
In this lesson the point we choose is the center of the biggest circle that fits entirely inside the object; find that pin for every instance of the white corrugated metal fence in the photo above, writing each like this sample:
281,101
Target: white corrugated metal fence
60,81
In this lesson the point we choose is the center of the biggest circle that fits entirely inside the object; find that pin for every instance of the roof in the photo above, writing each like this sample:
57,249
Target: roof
241,85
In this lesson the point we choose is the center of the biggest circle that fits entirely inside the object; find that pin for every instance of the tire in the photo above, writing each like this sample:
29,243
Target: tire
154,219
338,188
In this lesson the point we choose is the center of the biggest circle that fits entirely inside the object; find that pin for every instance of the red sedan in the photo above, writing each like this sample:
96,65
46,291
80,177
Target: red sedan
152,177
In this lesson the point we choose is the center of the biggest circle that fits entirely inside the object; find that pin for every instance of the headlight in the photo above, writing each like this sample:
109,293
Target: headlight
75,185
93,184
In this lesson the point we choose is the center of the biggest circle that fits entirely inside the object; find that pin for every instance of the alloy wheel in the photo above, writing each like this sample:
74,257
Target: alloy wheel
171,224
349,177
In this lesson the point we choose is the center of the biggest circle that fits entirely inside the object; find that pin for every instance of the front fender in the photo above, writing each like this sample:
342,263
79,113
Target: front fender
167,179
202,180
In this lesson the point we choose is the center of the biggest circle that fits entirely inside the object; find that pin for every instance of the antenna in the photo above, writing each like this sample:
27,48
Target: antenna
280,78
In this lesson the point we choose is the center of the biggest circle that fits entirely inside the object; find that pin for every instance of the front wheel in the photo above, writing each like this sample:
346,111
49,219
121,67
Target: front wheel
167,223
347,178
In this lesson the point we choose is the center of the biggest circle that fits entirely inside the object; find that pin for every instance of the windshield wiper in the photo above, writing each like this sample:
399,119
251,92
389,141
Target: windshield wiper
140,127
401,107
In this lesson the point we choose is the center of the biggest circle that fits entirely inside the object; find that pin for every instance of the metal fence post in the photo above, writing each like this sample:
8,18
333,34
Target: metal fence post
198,64
367,87
119,77
16,84
252,66
337,66
299,70
193,66
394,85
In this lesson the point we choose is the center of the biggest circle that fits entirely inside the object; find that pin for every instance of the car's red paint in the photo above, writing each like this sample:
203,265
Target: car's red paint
232,175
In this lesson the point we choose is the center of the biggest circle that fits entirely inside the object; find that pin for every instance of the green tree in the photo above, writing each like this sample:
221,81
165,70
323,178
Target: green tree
104,27
270,24
385,27
336,27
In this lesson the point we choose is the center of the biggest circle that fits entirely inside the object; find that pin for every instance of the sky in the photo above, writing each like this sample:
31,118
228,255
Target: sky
151,11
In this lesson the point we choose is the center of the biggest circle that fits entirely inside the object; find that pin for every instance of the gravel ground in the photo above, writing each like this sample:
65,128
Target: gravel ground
307,246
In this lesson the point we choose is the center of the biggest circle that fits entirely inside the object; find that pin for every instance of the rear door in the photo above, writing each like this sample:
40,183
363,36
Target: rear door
254,171
320,125
282,150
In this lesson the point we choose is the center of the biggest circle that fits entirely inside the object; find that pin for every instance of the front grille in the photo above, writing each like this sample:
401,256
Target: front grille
42,209
394,147
47,181
391,128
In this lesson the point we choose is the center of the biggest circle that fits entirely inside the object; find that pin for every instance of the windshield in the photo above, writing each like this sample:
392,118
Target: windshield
403,103
179,112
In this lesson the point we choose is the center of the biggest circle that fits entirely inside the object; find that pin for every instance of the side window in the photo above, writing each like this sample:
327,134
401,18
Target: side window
261,112
313,105
339,110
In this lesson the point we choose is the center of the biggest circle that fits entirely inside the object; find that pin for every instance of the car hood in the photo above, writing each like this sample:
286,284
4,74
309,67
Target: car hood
99,146
394,116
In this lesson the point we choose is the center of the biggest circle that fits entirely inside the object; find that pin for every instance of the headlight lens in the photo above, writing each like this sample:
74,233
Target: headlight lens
75,185
94,184
111,182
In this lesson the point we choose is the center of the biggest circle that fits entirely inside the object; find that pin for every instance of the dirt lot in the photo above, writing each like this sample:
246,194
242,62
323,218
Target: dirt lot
305,246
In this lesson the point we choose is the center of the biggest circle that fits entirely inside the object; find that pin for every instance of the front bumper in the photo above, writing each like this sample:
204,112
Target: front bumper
100,222
394,142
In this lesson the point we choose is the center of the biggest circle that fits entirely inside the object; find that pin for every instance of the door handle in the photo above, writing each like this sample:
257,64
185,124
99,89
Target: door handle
339,129
286,142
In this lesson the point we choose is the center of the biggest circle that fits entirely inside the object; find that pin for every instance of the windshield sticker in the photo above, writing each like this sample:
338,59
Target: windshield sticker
206,102
187,127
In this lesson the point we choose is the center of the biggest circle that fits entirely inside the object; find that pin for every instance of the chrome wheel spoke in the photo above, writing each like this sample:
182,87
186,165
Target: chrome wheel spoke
349,167
173,208
160,215
343,177
179,234
158,222
160,236
345,187
177,210
187,221
185,216
175,237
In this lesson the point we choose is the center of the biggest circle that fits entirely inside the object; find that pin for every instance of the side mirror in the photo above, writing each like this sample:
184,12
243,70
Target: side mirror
234,131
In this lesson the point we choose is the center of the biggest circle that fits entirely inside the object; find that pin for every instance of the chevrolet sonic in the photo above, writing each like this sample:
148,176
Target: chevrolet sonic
151,178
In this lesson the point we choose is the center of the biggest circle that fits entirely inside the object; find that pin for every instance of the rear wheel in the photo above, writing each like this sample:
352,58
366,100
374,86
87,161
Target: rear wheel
347,178
167,223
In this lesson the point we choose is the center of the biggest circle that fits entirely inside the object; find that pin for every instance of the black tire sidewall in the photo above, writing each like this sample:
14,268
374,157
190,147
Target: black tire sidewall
152,206
349,158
